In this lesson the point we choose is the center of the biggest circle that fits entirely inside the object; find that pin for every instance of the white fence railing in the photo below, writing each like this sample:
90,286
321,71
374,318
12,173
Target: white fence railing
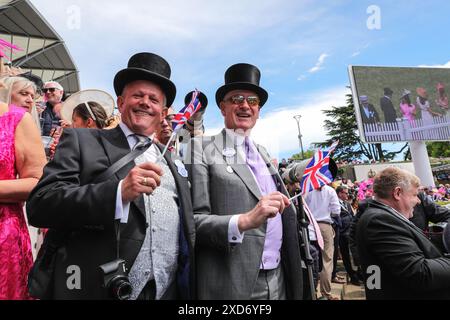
404,130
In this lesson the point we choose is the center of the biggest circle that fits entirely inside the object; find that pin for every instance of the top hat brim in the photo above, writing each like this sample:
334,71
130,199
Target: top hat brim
223,90
201,97
129,75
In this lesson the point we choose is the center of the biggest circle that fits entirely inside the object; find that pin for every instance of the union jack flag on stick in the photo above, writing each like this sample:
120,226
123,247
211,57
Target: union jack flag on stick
186,113
316,173
181,117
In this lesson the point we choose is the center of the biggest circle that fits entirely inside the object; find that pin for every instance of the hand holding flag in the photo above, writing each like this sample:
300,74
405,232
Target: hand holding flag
181,117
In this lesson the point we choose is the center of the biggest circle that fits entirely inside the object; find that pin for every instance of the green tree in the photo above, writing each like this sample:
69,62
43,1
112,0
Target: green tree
341,125
308,154
438,149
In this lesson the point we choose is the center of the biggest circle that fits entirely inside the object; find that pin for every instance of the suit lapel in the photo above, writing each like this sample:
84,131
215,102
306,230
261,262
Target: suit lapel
222,141
116,146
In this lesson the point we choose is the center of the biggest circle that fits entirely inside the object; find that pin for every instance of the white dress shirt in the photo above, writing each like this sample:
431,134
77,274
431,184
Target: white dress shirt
323,204
123,207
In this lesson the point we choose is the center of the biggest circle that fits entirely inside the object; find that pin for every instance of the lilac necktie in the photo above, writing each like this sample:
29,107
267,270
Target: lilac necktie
274,232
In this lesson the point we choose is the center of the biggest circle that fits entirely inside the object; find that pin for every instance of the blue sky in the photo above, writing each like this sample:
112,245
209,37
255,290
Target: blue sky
302,48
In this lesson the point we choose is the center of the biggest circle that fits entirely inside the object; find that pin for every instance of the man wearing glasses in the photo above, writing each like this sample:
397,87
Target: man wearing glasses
53,92
247,242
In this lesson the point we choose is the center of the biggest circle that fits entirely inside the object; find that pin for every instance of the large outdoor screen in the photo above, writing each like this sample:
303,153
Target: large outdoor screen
401,104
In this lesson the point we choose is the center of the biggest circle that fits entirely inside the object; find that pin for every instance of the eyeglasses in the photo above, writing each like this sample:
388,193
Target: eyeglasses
49,89
239,99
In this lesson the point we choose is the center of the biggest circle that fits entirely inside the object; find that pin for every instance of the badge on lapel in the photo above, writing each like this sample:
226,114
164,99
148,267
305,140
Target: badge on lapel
229,169
228,152
181,169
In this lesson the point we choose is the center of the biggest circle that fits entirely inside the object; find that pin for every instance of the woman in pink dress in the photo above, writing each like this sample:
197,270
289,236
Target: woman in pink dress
406,107
22,160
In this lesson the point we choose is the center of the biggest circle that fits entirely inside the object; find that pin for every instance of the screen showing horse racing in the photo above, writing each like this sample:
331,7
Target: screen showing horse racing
394,104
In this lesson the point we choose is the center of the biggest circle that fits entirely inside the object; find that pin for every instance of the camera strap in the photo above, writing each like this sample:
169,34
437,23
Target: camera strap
117,223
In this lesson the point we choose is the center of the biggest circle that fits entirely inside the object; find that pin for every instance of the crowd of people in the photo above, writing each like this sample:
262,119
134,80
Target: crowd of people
209,219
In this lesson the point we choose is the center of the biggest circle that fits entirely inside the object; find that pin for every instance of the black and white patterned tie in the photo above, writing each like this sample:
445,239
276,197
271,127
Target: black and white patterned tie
143,142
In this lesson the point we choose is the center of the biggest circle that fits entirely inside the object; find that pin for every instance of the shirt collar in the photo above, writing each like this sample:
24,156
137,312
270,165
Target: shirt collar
128,132
393,210
237,136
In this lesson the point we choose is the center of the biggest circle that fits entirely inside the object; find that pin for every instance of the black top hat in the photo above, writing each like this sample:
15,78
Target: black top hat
242,76
201,96
388,91
147,66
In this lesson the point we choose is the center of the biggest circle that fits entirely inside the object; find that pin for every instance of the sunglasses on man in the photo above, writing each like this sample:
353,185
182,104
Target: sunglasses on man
239,99
45,90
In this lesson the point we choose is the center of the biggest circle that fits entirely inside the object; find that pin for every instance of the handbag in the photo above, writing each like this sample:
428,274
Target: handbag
41,275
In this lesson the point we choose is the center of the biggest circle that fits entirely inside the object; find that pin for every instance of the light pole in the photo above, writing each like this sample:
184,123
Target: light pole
297,118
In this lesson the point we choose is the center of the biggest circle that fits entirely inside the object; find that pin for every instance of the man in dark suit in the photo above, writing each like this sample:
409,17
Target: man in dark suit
368,112
388,108
247,238
148,200
346,218
398,261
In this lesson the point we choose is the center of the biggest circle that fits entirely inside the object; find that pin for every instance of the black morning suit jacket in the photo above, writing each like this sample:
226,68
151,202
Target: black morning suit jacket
411,266
388,109
65,199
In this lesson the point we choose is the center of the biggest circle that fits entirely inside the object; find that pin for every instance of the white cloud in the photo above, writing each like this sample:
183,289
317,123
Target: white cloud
360,50
277,130
316,68
319,63
445,65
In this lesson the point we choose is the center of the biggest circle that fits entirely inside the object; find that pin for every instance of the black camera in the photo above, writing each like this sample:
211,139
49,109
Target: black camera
115,279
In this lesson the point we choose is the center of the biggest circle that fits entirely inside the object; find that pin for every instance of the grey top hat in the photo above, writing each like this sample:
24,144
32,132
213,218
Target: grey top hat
147,66
242,76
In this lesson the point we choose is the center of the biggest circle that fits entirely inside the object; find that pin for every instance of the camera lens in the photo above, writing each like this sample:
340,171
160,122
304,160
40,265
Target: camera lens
121,288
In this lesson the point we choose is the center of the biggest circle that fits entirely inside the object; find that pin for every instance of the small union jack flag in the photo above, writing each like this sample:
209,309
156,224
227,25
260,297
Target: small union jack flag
317,173
187,112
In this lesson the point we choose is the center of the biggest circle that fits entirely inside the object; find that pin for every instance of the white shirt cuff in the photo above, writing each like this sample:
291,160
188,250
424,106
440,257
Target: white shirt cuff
234,236
122,208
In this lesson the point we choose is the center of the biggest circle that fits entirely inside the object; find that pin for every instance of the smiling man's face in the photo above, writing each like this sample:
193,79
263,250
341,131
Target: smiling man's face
141,105
239,115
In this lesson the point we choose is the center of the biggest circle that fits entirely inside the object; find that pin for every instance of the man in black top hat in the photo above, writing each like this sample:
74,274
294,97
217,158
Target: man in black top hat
247,243
147,200
387,106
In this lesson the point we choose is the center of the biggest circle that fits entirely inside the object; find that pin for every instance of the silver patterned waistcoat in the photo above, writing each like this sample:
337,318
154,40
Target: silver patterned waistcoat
158,256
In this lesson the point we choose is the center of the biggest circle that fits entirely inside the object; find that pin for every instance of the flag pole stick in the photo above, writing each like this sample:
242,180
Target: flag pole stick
295,197
174,134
